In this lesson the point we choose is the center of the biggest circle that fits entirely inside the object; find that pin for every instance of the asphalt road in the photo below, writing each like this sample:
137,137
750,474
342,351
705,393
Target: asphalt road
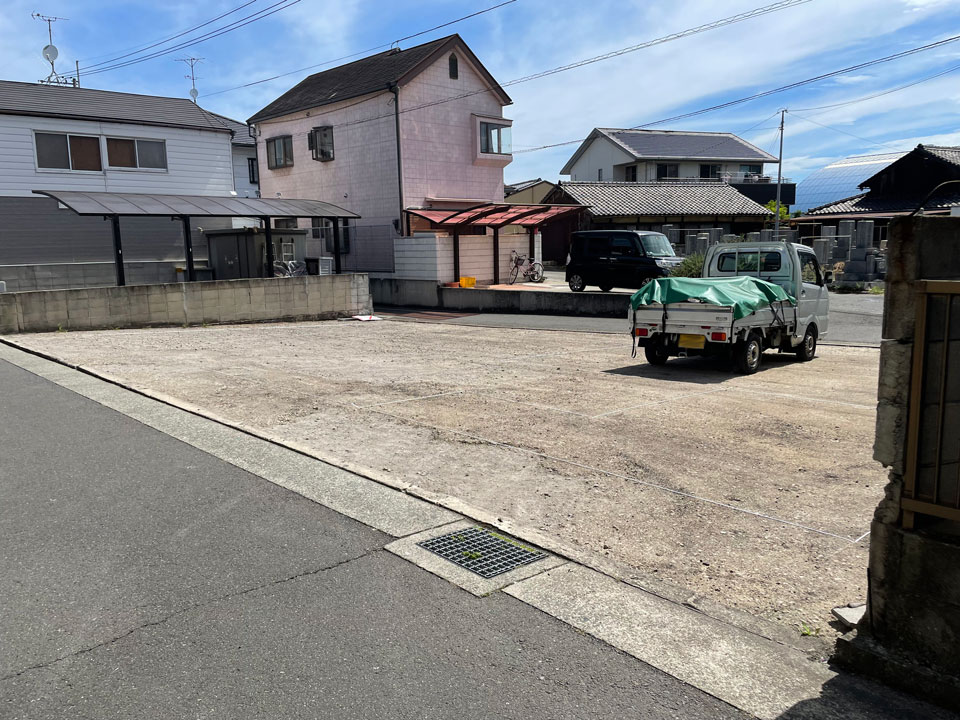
143,578
855,319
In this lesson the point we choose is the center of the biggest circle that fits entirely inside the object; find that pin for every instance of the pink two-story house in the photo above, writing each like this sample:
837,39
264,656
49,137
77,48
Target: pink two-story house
415,128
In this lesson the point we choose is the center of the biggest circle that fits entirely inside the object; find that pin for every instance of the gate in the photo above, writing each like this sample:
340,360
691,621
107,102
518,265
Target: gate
932,472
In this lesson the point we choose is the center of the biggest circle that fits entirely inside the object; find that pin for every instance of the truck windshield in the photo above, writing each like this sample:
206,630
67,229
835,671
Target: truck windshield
657,245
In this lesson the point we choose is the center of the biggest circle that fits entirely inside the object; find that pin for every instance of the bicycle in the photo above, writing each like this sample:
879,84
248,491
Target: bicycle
532,271
289,268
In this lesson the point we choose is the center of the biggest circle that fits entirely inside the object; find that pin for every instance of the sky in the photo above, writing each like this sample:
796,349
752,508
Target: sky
528,36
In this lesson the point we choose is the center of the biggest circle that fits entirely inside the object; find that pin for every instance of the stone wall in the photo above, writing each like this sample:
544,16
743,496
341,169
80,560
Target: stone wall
911,631
311,297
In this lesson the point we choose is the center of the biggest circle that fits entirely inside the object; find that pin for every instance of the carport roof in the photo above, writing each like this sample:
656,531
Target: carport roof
497,215
106,203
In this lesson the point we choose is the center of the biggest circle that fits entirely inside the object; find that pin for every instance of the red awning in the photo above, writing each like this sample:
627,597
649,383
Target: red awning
497,215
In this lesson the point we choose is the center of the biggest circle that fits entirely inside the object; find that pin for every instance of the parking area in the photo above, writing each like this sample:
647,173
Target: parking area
755,492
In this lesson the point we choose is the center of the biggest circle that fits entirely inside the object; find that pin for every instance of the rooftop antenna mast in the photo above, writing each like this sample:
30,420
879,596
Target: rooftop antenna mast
50,53
192,77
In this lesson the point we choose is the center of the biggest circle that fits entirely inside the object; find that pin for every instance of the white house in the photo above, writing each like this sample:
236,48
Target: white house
65,138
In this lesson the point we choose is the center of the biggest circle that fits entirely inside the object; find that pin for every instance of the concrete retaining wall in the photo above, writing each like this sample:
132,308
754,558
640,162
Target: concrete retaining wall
222,301
535,301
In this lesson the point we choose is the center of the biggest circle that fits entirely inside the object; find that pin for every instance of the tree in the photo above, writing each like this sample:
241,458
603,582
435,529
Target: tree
772,207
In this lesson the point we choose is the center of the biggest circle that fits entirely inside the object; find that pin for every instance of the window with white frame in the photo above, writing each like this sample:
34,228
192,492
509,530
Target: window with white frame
136,153
320,142
280,152
61,151
495,139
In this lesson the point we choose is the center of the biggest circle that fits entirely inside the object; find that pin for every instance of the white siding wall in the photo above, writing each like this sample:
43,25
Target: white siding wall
198,162
429,257
241,174
601,154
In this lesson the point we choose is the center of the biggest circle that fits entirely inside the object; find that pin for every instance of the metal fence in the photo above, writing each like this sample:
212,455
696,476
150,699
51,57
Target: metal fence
364,248
932,473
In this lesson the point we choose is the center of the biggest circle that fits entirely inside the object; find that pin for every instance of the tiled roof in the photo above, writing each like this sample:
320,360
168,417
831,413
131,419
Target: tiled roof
670,144
865,204
662,198
367,75
510,188
17,98
948,154
241,133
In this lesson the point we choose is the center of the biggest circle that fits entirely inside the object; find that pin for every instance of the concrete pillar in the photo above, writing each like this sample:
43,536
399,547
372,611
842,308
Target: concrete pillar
865,234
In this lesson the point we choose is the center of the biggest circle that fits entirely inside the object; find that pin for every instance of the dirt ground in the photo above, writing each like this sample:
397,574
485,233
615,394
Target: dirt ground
755,492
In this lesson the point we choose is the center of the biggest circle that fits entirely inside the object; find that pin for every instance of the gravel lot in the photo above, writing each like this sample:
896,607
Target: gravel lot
755,492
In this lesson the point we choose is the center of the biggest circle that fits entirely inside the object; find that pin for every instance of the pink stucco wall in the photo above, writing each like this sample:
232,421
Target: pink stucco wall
438,148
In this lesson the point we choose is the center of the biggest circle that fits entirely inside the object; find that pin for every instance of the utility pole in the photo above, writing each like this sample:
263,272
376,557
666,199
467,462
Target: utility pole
776,221
192,77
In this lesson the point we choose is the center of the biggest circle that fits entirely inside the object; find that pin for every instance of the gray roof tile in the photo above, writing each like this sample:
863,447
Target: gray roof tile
662,198
17,98
676,144
362,77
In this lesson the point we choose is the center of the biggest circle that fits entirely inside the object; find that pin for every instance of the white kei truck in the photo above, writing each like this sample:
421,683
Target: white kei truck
751,297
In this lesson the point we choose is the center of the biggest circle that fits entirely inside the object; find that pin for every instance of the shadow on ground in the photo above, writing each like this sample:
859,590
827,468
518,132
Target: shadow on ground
699,370
852,697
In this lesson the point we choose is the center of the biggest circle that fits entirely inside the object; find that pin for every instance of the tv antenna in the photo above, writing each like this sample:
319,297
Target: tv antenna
50,53
192,77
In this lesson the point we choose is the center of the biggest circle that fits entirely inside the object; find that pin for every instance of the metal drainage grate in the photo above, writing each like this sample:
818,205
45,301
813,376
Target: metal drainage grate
484,552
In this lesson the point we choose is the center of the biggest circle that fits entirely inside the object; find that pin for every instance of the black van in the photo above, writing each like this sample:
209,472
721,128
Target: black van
617,258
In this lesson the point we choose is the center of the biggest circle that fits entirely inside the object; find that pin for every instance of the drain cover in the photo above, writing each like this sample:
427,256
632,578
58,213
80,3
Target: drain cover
484,552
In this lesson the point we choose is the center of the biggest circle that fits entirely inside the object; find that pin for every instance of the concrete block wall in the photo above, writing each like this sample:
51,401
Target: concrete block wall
222,301
911,628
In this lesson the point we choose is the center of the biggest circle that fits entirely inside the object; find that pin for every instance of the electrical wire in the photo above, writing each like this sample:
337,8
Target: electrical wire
259,15
844,132
767,93
881,94
136,51
361,52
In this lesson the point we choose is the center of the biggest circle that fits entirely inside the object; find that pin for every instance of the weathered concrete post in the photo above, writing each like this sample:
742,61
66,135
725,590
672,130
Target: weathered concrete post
910,634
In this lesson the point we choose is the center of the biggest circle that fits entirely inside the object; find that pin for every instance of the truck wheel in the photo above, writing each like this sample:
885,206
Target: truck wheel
656,353
807,350
747,354
576,283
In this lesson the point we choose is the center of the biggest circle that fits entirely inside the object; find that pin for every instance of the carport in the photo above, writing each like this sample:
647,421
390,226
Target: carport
113,206
494,216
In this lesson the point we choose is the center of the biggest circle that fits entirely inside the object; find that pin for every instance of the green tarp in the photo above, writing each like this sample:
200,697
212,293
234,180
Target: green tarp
744,294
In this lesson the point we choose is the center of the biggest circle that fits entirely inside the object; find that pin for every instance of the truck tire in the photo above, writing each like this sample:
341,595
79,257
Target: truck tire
747,354
656,353
807,349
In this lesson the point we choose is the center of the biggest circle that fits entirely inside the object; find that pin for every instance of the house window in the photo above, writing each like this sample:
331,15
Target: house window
630,173
280,152
320,143
128,153
68,152
285,224
751,169
495,139
454,67
709,171
253,172
666,171
600,174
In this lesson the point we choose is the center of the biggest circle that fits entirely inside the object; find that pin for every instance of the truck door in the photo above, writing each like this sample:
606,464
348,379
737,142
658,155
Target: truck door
812,302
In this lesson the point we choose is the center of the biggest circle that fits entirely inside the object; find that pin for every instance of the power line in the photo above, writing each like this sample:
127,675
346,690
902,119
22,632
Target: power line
361,52
766,93
135,51
844,132
259,15
885,92
777,6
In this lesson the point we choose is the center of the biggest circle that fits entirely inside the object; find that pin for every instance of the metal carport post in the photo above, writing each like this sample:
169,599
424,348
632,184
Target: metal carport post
337,263
268,239
188,247
117,250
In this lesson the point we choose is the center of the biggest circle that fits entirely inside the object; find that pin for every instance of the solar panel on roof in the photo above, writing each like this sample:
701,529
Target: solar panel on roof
841,179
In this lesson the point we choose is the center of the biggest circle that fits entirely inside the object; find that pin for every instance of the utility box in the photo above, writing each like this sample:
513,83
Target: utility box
241,252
